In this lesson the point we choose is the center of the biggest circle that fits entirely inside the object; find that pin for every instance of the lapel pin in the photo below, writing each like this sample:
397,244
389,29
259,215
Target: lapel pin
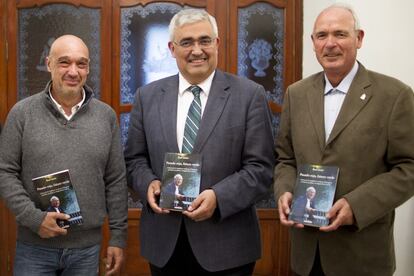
363,96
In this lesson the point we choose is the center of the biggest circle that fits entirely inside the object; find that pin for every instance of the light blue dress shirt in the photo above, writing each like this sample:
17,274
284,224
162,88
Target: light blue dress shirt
334,98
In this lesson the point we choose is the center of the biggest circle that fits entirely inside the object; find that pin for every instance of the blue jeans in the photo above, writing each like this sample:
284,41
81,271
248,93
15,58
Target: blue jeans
32,260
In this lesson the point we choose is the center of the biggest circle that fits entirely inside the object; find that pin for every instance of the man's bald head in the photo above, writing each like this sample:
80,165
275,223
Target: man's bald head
67,41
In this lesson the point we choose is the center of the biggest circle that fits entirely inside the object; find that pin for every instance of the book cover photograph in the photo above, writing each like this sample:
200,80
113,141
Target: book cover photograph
313,195
56,194
180,181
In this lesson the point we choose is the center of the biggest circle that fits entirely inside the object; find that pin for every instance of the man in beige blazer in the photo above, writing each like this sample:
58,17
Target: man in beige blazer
365,127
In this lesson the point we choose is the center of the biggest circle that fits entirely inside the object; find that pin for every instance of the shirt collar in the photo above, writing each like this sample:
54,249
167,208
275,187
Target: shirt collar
205,85
345,83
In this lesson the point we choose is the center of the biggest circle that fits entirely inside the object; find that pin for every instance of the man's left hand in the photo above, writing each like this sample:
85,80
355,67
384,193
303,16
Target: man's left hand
203,206
114,260
340,214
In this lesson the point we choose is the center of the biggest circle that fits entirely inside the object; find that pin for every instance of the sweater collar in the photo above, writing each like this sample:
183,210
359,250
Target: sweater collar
88,92
49,102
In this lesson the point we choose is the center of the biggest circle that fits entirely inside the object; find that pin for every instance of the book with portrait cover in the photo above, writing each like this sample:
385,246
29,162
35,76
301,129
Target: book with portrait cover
180,180
56,194
313,194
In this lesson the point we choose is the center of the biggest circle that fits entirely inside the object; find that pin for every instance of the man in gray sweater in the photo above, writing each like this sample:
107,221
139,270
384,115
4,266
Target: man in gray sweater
65,128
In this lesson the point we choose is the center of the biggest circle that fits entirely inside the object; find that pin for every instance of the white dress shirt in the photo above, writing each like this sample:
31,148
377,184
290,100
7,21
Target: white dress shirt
308,203
334,98
185,98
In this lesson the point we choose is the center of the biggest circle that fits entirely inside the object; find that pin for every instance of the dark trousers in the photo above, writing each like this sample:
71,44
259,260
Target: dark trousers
184,263
316,268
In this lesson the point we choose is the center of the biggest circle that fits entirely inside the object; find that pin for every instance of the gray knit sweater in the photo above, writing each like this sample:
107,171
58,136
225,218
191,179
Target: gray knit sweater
37,140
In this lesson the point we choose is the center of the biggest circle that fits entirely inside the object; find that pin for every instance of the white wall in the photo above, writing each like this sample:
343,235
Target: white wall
387,48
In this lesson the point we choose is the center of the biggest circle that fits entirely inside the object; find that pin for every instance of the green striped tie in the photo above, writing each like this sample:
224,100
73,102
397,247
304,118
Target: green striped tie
193,121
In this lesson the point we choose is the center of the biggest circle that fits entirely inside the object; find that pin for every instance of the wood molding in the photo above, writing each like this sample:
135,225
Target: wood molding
195,3
77,3
4,252
3,62
12,88
106,45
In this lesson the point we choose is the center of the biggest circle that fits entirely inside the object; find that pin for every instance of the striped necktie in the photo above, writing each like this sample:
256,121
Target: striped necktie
192,122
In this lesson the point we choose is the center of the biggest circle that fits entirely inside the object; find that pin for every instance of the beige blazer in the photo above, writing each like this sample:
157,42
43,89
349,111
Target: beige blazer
372,142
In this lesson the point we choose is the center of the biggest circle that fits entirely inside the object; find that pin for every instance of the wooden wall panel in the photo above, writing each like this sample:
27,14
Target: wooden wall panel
275,245
135,265
3,61
4,253
275,249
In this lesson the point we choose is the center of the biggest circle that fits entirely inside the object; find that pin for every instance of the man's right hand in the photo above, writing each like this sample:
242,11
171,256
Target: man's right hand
283,205
154,190
49,227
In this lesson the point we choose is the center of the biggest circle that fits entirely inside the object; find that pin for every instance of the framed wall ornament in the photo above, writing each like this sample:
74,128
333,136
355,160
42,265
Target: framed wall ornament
39,27
261,48
260,57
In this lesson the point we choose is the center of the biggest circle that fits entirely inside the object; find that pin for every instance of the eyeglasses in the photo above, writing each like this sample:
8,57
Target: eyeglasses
203,43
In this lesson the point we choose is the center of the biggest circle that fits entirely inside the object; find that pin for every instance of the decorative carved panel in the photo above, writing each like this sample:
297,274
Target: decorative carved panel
39,27
145,56
261,41
261,49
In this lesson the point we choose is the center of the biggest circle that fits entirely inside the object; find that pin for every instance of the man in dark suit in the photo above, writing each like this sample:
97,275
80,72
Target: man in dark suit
363,123
55,207
219,234
174,186
305,205
173,192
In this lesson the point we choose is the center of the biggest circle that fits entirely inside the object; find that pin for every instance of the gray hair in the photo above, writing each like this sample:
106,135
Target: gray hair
349,8
311,189
189,16
178,176
54,198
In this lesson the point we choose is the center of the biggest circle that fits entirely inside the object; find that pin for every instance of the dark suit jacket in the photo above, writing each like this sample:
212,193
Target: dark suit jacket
168,192
372,144
235,141
170,188
52,209
299,206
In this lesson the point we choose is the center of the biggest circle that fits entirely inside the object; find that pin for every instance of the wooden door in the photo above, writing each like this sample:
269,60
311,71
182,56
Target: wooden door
3,61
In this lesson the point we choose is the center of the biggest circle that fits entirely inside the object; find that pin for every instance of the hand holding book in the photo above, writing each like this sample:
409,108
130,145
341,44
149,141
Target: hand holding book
340,214
284,203
50,228
203,206
153,197
181,181
313,194
58,197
